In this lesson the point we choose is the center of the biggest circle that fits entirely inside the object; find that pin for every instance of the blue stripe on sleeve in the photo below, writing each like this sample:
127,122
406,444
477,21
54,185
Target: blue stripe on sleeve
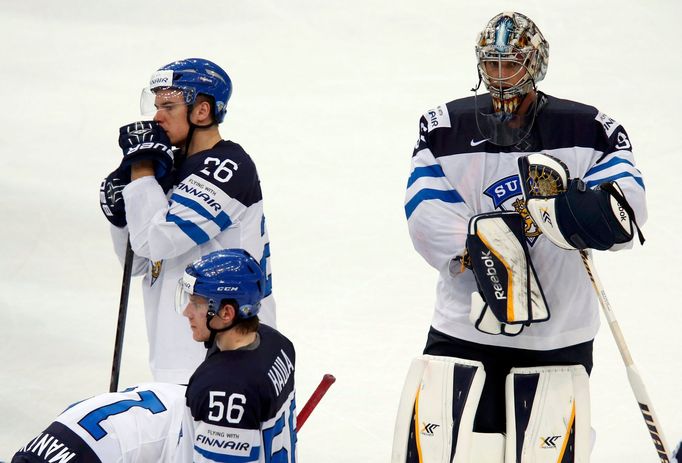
190,228
611,163
449,196
253,456
429,171
222,219
593,183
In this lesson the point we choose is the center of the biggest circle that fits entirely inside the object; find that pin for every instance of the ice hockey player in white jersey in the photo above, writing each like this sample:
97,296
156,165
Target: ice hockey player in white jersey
141,424
242,397
465,188
178,204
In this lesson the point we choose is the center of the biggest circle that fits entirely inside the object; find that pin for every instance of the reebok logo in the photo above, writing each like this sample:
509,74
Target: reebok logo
491,272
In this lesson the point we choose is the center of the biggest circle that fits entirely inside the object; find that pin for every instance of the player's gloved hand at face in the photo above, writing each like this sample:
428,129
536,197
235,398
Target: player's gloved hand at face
111,197
146,140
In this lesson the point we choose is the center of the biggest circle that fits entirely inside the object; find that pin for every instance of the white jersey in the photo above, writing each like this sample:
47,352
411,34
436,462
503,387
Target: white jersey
139,425
216,204
455,177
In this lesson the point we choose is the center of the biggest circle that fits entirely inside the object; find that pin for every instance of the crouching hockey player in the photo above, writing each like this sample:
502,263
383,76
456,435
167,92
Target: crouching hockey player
504,375
139,425
242,397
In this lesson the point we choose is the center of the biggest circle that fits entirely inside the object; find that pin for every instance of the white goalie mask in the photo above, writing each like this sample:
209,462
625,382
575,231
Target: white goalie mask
512,58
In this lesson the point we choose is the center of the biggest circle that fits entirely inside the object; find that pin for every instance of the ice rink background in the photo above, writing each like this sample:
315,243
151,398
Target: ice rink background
326,99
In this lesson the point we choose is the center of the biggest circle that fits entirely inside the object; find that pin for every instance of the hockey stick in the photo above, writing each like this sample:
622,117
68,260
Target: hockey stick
121,324
636,383
320,391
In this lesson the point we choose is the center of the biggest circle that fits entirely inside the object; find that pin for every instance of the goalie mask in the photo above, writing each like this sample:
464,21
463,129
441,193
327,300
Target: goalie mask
512,58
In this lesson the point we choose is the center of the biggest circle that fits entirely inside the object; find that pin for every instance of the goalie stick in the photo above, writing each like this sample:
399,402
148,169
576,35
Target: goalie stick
544,176
636,383
121,323
320,391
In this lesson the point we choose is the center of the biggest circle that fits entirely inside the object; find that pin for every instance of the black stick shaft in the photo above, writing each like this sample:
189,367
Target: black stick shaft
121,324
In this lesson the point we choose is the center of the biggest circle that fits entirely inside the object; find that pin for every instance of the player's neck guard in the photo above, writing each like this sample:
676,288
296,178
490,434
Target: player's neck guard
503,128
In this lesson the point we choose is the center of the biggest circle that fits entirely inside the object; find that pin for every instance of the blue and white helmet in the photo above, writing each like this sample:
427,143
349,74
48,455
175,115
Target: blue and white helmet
193,76
221,275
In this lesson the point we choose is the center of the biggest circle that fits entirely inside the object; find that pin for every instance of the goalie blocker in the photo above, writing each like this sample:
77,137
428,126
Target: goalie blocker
509,294
548,415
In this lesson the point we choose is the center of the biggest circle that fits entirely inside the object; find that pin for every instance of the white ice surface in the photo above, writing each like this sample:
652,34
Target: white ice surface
327,98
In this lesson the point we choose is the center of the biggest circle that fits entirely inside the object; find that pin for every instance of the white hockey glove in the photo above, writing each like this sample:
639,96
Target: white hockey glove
509,295
569,213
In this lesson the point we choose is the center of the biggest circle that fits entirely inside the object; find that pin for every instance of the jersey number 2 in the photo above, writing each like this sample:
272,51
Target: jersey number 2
91,421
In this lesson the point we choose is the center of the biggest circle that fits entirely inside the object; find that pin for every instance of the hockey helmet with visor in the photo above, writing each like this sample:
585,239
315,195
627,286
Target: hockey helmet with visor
187,78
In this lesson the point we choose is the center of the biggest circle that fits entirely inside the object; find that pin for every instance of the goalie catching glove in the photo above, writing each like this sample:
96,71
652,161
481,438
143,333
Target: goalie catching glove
509,294
570,214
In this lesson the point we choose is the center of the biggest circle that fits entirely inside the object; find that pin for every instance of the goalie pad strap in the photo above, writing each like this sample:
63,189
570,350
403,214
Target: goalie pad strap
548,415
437,409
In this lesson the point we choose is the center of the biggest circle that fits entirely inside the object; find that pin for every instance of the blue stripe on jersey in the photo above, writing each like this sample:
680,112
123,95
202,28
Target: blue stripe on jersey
429,171
191,229
593,183
449,196
264,265
253,456
222,219
611,163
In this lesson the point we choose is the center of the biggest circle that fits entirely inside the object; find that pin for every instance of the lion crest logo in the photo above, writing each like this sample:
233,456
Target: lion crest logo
507,196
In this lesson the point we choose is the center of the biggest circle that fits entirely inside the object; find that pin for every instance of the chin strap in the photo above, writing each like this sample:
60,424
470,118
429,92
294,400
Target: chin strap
192,128
214,332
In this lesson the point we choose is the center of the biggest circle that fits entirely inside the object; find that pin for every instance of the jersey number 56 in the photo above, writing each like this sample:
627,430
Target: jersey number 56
231,409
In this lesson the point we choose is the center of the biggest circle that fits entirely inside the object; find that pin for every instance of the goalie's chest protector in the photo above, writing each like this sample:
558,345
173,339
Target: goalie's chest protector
485,178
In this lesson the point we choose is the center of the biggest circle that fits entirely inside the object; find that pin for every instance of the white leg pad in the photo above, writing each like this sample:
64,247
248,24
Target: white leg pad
548,415
437,409
487,447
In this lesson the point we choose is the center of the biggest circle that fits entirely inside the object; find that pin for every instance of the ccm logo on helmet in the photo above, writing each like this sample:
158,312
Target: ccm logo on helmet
228,288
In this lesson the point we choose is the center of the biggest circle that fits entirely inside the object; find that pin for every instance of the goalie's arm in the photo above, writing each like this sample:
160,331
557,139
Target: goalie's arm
617,164
437,215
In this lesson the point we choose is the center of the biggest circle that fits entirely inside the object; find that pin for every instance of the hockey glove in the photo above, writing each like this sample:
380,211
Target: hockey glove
146,140
111,198
569,213
509,294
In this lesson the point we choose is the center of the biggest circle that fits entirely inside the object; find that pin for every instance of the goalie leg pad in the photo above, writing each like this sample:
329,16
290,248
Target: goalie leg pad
548,415
437,409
